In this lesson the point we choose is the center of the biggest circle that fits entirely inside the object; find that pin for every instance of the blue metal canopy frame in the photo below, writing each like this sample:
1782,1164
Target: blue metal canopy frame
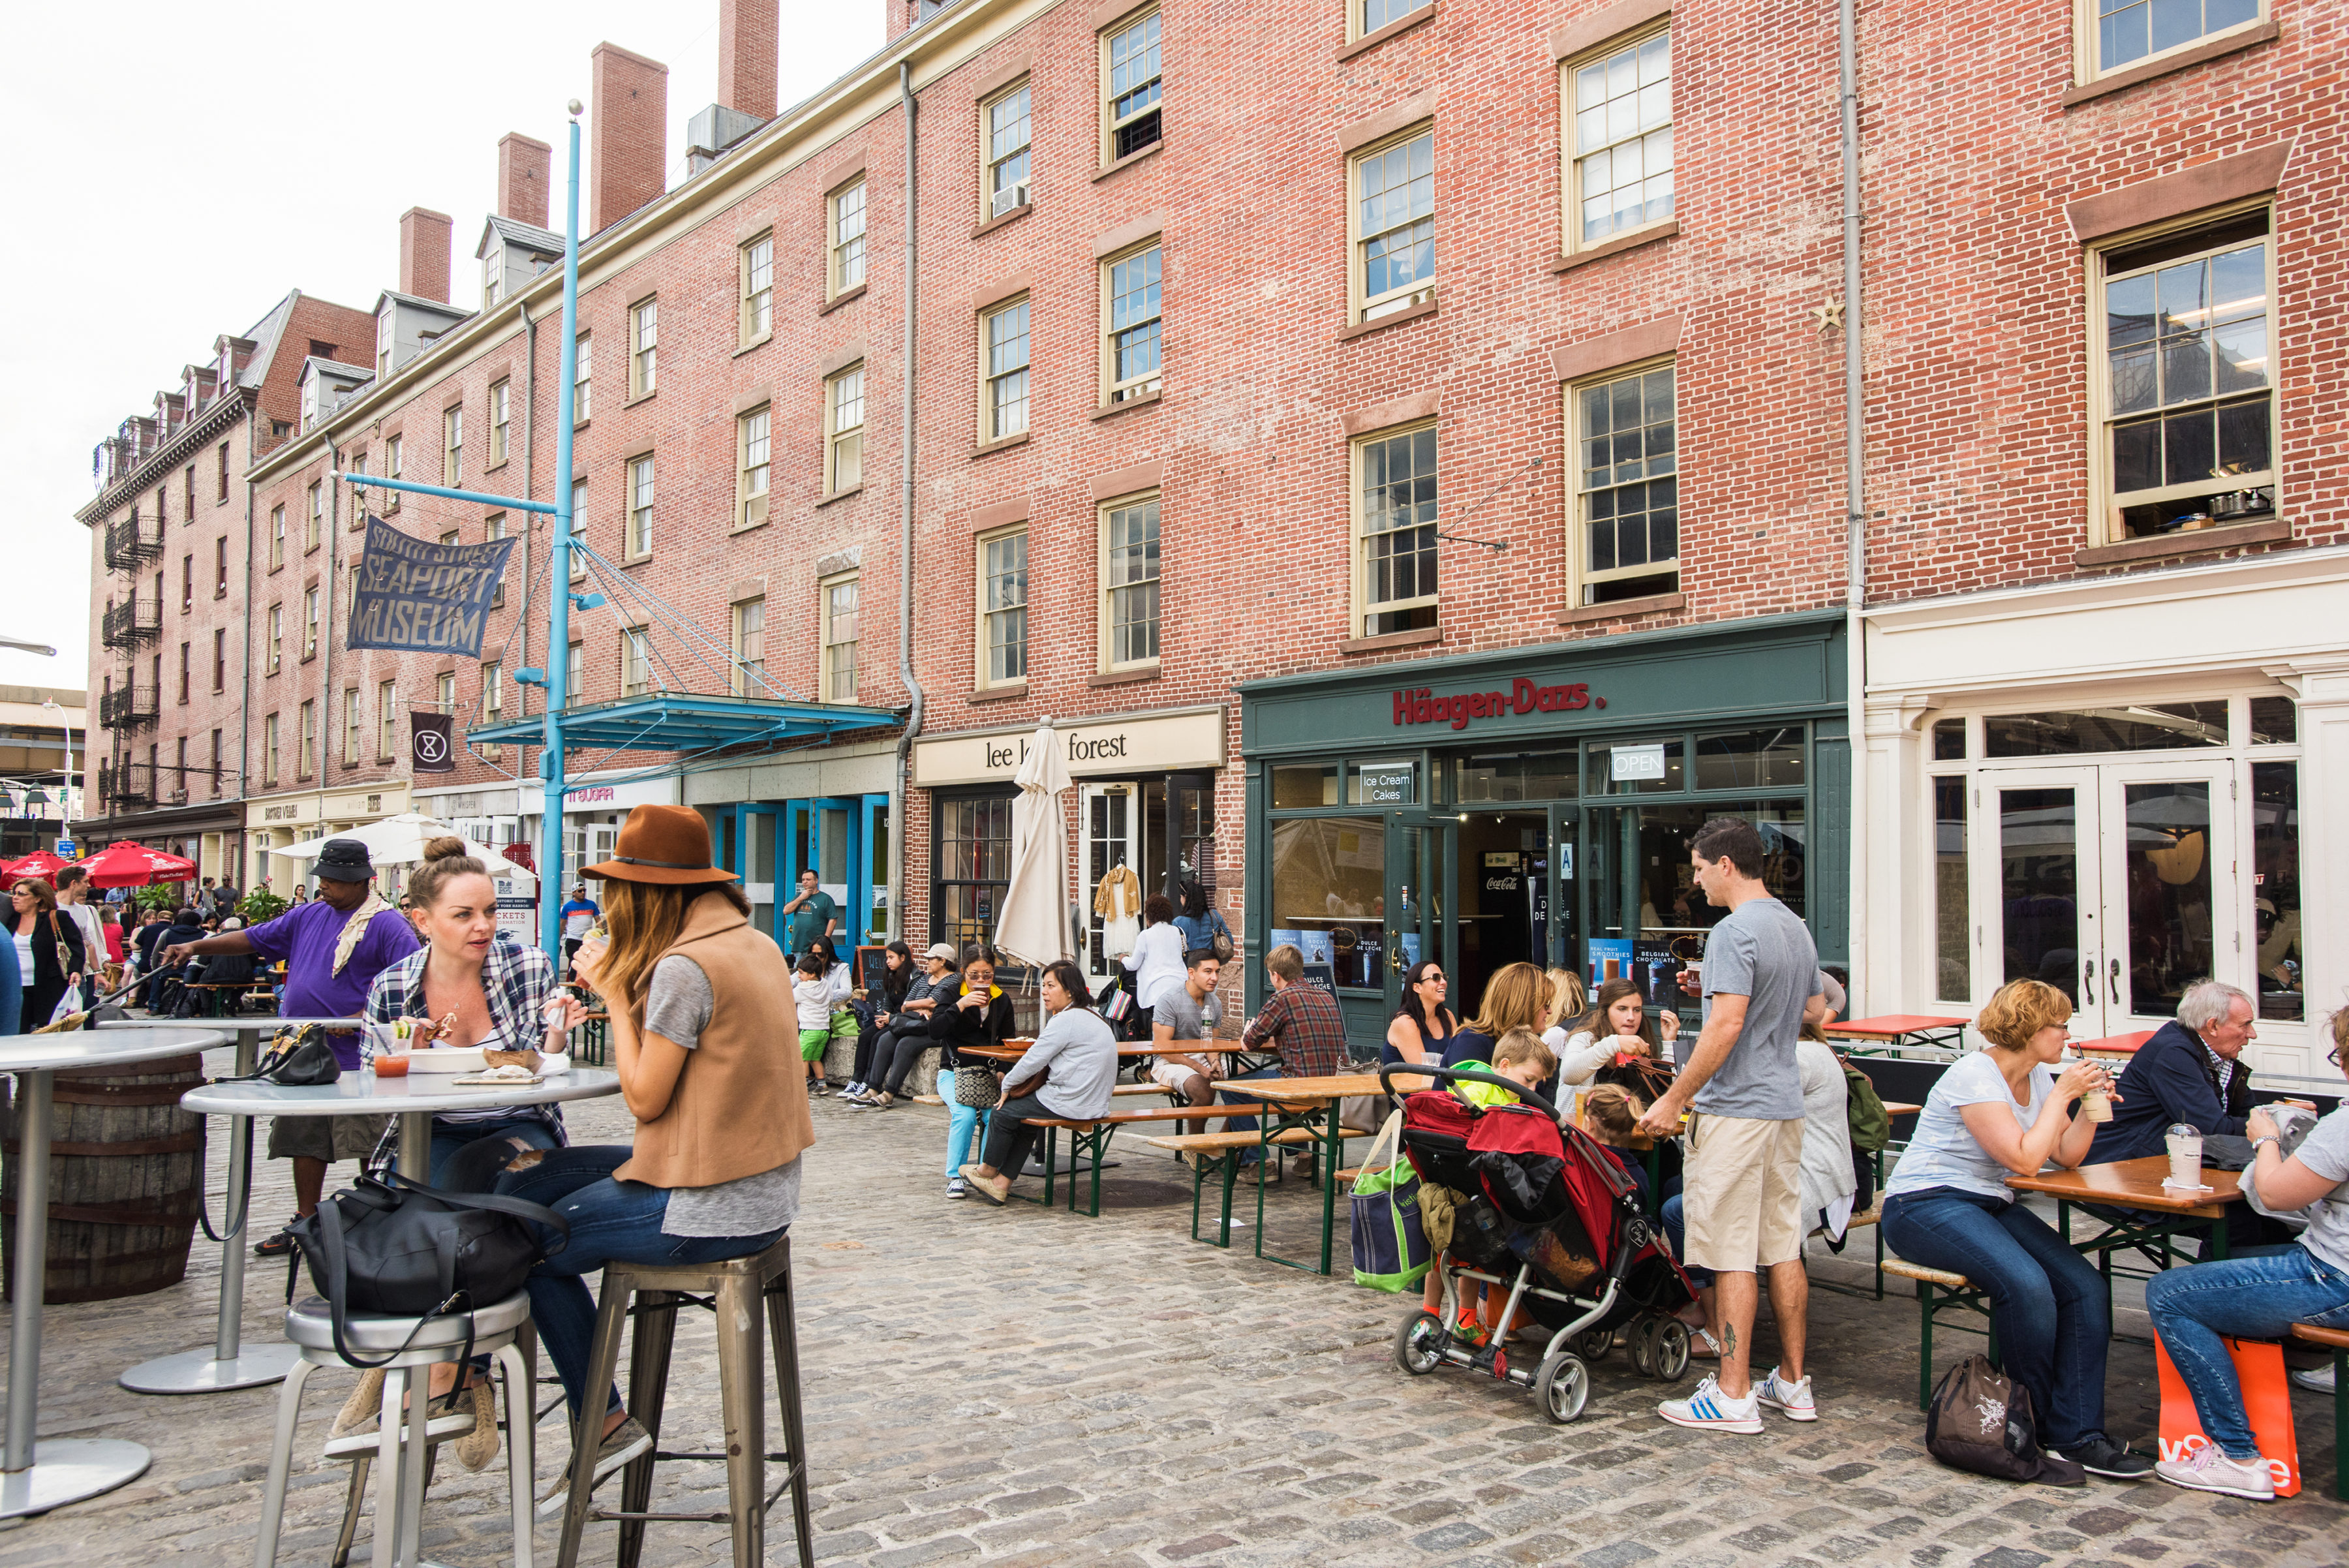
677,722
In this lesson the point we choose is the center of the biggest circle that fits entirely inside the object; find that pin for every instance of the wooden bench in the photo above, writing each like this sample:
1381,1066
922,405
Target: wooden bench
2336,1340
1874,1218
1220,1152
1958,1295
1088,1139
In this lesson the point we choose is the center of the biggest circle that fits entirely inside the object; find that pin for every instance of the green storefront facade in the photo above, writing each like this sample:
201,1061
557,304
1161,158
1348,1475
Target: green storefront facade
1535,803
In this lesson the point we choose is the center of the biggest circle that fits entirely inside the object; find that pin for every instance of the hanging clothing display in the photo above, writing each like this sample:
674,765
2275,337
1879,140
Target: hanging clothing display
1118,901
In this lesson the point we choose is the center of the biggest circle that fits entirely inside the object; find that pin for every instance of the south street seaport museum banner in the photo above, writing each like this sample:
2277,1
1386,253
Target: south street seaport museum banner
419,598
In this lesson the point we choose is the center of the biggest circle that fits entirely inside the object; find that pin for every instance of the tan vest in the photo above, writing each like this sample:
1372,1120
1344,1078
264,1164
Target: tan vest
741,1106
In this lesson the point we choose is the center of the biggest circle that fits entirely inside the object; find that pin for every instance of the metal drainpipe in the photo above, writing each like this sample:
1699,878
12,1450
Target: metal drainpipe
906,536
1855,430
327,627
529,534
244,675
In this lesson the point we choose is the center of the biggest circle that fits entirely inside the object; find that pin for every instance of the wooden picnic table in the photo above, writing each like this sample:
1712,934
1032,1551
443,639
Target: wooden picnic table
1900,1029
2136,1184
1311,1103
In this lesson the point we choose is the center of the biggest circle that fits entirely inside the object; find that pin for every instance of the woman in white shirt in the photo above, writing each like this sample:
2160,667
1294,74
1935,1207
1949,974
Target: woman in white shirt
1617,1023
2005,1111
1156,960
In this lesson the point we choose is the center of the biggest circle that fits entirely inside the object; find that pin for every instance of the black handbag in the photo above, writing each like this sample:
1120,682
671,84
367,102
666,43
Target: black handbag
400,1249
299,1059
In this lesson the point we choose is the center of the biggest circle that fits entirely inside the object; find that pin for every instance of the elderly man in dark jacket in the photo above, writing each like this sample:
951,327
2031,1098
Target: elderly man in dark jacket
2191,1071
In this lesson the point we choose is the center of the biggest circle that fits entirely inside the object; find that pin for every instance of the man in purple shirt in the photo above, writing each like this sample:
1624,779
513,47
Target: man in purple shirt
333,947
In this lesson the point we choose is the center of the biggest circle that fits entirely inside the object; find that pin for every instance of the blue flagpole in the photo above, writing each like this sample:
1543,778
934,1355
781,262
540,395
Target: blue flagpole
550,888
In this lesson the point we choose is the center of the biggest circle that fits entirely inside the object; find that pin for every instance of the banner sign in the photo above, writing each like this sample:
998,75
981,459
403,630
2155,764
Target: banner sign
431,740
419,598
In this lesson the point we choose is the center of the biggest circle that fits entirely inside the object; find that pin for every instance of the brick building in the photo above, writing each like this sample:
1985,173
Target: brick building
173,557
1401,448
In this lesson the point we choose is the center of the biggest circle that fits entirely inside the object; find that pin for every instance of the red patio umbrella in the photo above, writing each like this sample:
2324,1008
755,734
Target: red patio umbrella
136,865
39,863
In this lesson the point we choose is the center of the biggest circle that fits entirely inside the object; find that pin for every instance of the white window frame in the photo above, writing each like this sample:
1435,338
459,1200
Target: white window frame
1006,170
393,460
578,518
754,465
844,430
644,348
575,674
387,697
829,644
747,678
986,613
305,759
2104,504
1359,25
269,735
452,445
2087,33
1637,45
756,268
1364,607
276,535
493,704
642,493
583,385
309,623
351,726
1109,39
635,661
1147,383
1582,580
276,637
501,415
844,214
1365,306
995,405
314,523
493,528
1146,507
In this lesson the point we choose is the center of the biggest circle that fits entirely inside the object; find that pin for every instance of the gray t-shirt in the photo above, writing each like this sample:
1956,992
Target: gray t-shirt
1762,952
677,1006
2325,1151
1176,1010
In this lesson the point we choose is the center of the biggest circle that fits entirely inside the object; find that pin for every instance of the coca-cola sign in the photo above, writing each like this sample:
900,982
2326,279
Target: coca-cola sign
1424,705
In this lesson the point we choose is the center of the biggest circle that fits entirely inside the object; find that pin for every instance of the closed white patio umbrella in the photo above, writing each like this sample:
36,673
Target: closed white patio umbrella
400,841
1033,927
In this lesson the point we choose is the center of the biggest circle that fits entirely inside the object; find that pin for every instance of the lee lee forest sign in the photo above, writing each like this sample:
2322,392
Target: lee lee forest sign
1113,748
1422,705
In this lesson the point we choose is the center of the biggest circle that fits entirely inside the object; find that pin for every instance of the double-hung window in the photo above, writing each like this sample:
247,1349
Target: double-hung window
1626,485
309,623
1132,102
1003,337
1009,131
635,661
444,693
640,506
758,290
391,470
276,639
1619,157
501,417
1003,608
2121,33
1129,607
314,522
578,511
1372,14
453,457
845,219
753,440
1131,337
575,675
750,674
306,752
2187,394
493,528
351,731
843,439
839,638
1395,504
582,384
493,703
386,719
644,348
269,750
276,536
1394,226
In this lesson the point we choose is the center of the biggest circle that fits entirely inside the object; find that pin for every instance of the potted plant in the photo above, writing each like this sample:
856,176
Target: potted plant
259,905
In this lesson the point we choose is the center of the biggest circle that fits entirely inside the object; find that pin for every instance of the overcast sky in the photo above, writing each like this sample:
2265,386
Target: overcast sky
174,171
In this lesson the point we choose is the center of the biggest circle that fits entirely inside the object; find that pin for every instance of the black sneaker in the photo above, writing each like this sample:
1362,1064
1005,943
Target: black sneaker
280,1244
2100,1456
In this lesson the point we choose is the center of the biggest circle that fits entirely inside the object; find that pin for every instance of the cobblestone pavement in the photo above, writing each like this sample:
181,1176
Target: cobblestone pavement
1018,1386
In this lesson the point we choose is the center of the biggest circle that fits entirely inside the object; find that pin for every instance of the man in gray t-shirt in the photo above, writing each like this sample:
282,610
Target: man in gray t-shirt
1742,1181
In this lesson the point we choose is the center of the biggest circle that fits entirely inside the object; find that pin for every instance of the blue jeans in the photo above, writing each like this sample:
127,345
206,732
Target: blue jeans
448,1138
2245,1298
609,1220
1676,1227
2046,1301
1246,1123
962,1127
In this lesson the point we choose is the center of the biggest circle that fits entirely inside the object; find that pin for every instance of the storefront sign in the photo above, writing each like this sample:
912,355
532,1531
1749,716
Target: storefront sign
620,796
1385,784
1100,749
1422,705
1637,762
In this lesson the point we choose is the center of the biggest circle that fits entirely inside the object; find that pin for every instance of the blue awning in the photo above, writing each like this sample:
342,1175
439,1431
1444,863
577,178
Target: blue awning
676,721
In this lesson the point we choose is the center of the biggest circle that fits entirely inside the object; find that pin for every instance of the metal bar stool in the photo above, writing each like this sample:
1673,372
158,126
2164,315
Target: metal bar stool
651,1293
401,1447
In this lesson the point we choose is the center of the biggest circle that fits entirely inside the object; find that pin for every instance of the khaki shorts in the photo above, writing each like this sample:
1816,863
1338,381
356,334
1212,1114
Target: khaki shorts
329,1138
1743,1193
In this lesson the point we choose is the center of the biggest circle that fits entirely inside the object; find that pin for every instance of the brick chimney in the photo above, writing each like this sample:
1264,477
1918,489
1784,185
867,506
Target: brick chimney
630,114
424,254
748,48
525,165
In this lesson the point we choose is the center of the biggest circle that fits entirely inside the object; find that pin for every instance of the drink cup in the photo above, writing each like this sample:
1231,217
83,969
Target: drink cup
2184,1156
2096,1105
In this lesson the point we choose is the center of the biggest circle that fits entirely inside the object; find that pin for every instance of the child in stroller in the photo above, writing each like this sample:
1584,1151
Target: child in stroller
1549,1216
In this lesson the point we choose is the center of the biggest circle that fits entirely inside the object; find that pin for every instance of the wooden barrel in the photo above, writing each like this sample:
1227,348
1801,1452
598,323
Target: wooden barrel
126,1175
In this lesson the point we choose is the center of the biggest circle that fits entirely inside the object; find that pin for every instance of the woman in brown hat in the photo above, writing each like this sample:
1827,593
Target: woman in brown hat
700,1007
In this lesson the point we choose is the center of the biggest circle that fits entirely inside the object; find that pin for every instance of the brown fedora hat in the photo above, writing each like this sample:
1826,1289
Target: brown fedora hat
667,844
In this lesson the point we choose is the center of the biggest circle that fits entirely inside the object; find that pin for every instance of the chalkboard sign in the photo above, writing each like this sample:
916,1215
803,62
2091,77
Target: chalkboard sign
1322,976
872,964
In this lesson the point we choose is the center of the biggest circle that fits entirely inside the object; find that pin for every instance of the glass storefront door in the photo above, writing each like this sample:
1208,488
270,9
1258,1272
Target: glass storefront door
1413,927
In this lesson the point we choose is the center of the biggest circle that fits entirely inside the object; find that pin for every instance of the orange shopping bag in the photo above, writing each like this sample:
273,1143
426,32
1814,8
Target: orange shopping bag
2267,1403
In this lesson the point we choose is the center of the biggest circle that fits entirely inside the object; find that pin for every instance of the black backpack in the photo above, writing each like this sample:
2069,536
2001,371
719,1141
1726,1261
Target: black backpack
400,1249
1980,1421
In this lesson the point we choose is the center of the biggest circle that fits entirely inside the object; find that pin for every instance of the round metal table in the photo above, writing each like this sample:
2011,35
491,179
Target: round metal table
74,1467
229,1363
400,1496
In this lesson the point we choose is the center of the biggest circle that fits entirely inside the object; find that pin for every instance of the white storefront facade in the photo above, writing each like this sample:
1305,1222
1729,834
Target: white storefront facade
2118,785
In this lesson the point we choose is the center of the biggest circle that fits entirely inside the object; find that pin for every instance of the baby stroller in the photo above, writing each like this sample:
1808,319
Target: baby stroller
1548,1214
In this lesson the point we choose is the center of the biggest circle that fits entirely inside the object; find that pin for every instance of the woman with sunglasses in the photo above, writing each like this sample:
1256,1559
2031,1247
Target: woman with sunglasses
1420,1026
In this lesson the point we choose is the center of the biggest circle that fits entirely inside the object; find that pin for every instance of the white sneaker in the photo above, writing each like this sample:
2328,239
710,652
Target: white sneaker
2207,1469
1792,1399
1710,1409
2319,1378
956,1187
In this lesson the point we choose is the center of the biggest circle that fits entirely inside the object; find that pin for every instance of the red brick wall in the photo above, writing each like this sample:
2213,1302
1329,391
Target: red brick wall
629,109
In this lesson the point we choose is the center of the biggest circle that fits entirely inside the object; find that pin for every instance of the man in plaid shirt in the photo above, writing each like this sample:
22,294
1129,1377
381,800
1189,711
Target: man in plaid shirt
1303,1024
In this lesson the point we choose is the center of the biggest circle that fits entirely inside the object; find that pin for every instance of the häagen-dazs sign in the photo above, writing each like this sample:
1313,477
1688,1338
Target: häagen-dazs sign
1095,748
